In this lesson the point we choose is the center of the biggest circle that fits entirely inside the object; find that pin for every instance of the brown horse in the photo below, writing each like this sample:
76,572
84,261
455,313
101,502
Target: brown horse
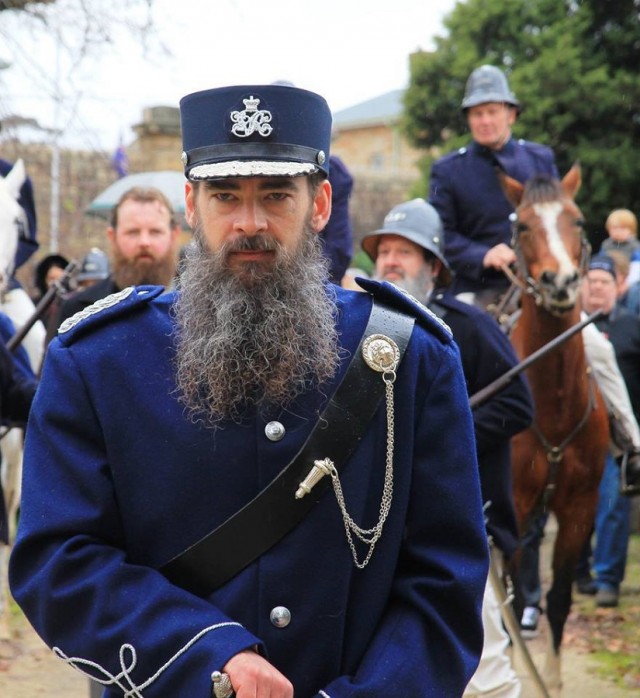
558,461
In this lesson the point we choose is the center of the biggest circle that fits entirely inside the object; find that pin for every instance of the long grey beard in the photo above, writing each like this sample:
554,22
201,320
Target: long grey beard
256,338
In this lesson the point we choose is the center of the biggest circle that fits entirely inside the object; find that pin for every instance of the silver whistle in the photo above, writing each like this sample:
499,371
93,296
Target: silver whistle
318,471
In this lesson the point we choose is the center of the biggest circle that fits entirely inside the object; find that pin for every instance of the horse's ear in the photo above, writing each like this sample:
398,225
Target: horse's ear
572,180
15,178
512,189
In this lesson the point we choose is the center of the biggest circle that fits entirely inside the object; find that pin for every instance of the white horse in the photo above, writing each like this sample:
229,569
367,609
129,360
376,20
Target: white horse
17,305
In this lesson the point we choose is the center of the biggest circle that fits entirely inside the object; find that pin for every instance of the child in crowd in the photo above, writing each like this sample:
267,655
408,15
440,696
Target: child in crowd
622,227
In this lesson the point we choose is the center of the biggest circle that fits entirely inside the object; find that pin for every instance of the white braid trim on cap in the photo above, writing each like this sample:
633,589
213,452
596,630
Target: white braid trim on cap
131,690
251,168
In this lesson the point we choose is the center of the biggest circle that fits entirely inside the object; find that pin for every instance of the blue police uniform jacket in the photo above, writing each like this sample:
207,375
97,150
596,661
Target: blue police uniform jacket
487,354
337,236
622,329
117,482
465,190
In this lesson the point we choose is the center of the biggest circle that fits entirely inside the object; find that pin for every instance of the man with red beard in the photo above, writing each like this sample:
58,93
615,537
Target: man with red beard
258,483
143,236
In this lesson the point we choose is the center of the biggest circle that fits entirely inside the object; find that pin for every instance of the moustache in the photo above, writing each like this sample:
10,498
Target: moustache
254,243
393,270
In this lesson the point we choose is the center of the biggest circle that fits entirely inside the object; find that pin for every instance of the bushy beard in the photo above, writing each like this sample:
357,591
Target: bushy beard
136,272
256,336
419,286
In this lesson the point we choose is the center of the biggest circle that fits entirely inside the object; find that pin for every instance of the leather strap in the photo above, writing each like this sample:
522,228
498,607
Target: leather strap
245,536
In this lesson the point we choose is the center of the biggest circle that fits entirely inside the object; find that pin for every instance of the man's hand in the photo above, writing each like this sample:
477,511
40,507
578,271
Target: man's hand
253,677
499,256
630,475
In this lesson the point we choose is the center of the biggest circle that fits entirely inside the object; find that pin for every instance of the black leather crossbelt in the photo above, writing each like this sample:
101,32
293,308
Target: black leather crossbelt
260,524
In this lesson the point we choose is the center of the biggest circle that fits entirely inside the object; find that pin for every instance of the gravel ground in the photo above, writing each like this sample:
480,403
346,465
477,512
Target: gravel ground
28,669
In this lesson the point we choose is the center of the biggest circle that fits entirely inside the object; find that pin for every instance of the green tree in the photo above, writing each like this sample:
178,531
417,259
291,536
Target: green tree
571,63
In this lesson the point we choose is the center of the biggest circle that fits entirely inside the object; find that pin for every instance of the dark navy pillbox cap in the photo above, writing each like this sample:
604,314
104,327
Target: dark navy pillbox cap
254,131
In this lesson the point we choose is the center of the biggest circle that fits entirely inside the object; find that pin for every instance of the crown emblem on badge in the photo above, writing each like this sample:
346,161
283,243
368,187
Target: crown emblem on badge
251,119
251,104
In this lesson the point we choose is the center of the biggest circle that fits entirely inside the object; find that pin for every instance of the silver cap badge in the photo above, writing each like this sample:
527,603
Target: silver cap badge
251,119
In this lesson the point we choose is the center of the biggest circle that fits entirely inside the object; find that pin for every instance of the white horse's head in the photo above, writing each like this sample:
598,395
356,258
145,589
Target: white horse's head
12,220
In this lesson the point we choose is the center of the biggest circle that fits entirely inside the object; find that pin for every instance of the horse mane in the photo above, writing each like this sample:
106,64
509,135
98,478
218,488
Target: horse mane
542,188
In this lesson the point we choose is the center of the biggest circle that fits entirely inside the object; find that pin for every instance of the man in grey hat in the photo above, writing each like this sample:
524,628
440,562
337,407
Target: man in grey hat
240,465
466,192
408,251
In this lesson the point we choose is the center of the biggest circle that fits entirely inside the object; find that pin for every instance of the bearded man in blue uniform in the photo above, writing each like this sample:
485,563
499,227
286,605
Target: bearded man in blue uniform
163,419
465,189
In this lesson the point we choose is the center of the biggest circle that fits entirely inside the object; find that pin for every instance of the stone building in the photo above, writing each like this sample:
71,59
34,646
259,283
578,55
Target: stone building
368,137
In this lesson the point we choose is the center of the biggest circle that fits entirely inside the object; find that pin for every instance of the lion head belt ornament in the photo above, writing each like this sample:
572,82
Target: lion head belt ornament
381,353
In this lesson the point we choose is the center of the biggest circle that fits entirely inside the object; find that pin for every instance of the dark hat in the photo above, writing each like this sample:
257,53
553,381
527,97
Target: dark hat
42,269
488,84
254,131
603,262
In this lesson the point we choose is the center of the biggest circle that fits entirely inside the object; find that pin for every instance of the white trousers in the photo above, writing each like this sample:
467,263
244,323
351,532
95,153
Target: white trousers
602,359
494,677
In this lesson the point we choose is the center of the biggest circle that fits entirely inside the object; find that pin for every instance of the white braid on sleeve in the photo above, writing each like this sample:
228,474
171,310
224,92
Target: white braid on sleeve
128,653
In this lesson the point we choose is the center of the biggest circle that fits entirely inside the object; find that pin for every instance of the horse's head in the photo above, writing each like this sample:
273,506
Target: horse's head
548,237
12,220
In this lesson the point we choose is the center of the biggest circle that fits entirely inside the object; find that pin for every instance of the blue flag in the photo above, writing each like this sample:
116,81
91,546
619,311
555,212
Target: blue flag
119,161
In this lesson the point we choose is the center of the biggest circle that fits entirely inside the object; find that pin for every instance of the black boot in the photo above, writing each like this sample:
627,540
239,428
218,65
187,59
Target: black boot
630,474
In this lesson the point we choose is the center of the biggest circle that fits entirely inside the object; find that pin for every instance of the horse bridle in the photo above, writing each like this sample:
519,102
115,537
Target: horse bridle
530,286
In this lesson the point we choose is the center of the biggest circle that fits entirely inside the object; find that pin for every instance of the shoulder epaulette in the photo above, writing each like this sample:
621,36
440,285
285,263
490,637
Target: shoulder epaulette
399,299
105,310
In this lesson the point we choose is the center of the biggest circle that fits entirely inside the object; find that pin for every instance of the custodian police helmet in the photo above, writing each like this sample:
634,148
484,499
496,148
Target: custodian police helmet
254,131
488,84
94,267
417,221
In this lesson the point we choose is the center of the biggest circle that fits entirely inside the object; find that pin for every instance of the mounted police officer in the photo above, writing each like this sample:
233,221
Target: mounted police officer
408,251
259,480
466,192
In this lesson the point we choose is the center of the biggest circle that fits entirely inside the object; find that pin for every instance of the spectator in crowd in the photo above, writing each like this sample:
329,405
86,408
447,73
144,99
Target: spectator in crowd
143,236
49,271
612,525
622,231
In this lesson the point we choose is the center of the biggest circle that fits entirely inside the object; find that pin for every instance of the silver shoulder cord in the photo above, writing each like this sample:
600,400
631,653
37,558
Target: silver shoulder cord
381,354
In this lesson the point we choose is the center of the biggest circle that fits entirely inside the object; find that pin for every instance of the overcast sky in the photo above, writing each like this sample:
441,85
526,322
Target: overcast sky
346,50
